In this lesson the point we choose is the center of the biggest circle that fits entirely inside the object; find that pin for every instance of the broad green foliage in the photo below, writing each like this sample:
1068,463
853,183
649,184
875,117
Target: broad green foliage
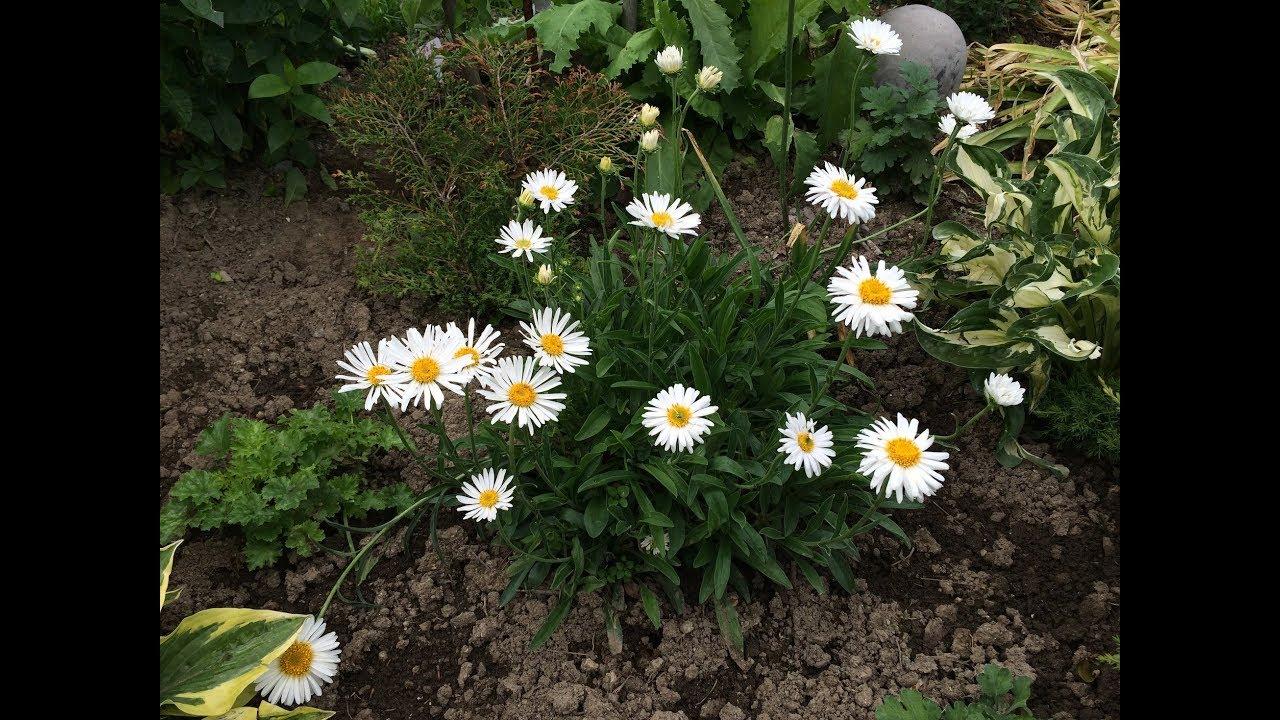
1045,289
593,484
745,39
209,662
239,80
896,129
1003,697
279,484
986,20
456,145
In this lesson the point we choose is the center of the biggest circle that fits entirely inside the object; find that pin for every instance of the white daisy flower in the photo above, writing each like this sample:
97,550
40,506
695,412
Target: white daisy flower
806,446
521,391
648,545
554,340
300,672
479,352
872,303
875,36
372,371
430,360
1003,390
709,77
665,214
524,238
970,108
649,140
897,454
670,59
836,191
485,495
551,189
948,123
677,417
648,115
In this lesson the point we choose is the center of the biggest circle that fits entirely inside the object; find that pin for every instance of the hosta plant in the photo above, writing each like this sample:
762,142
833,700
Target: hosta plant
1040,284
669,419
209,663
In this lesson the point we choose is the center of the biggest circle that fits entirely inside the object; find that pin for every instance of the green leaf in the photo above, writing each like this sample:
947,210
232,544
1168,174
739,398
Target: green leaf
279,134
908,705
559,27
315,73
216,439
638,49
227,126
597,515
295,185
268,85
673,28
204,9
410,10
727,619
557,616
650,602
166,567
994,681
711,28
595,422
767,20
313,106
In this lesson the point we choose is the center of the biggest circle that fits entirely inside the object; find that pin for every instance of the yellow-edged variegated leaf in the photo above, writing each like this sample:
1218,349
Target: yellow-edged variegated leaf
166,567
213,655
241,701
240,713
267,711
1043,293
980,167
987,349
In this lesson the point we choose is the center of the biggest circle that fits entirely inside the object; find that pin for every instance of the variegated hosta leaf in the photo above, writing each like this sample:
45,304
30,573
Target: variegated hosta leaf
1083,178
213,655
1086,94
988,349
240,713
1055,338
166,567
267,711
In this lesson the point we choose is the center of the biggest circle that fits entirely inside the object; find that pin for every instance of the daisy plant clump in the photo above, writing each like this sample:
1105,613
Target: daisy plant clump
674,418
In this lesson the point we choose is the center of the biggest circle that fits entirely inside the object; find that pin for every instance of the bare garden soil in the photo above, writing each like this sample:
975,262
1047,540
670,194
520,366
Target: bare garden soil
1012,566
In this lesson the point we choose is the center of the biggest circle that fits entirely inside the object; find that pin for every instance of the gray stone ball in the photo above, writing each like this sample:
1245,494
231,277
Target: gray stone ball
929,37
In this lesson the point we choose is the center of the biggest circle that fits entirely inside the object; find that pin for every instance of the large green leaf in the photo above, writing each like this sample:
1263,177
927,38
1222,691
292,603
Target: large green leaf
560,26
767,20
215,654
638,48
832,83
711,28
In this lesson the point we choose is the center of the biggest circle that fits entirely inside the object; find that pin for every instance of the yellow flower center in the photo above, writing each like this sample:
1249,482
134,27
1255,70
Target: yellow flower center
679,415
475,355
903,452
524,243
874,292
521,394
874,42
375,373
488,499
296,661
844,189
805,441
661,219
425,370
549,192
552,344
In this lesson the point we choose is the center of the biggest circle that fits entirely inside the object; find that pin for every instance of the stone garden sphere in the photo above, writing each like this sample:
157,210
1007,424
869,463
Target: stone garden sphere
929,37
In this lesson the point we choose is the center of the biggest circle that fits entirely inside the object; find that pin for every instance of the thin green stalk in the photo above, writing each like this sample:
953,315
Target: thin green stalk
784,181
960,430
835,370
935,188
604,180
367,546
853,108
877,233
471,423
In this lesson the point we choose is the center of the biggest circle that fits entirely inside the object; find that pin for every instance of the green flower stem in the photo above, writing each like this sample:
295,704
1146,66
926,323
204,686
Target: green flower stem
471,422
853,107
429,495
604,180
675,132
831,376
935,187
960,430
875,234
784,184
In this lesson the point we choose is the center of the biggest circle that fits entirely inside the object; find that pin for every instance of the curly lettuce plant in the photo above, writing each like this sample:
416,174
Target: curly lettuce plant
675,424
209,663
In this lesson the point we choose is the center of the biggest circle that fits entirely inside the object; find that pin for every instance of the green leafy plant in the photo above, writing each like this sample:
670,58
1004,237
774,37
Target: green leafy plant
1042,285
238,80
208,664
1080,413
984,20
1003,697
281,484
1112,659
893,143
453,141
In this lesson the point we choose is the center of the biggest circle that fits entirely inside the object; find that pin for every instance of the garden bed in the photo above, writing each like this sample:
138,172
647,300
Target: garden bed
1009,565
